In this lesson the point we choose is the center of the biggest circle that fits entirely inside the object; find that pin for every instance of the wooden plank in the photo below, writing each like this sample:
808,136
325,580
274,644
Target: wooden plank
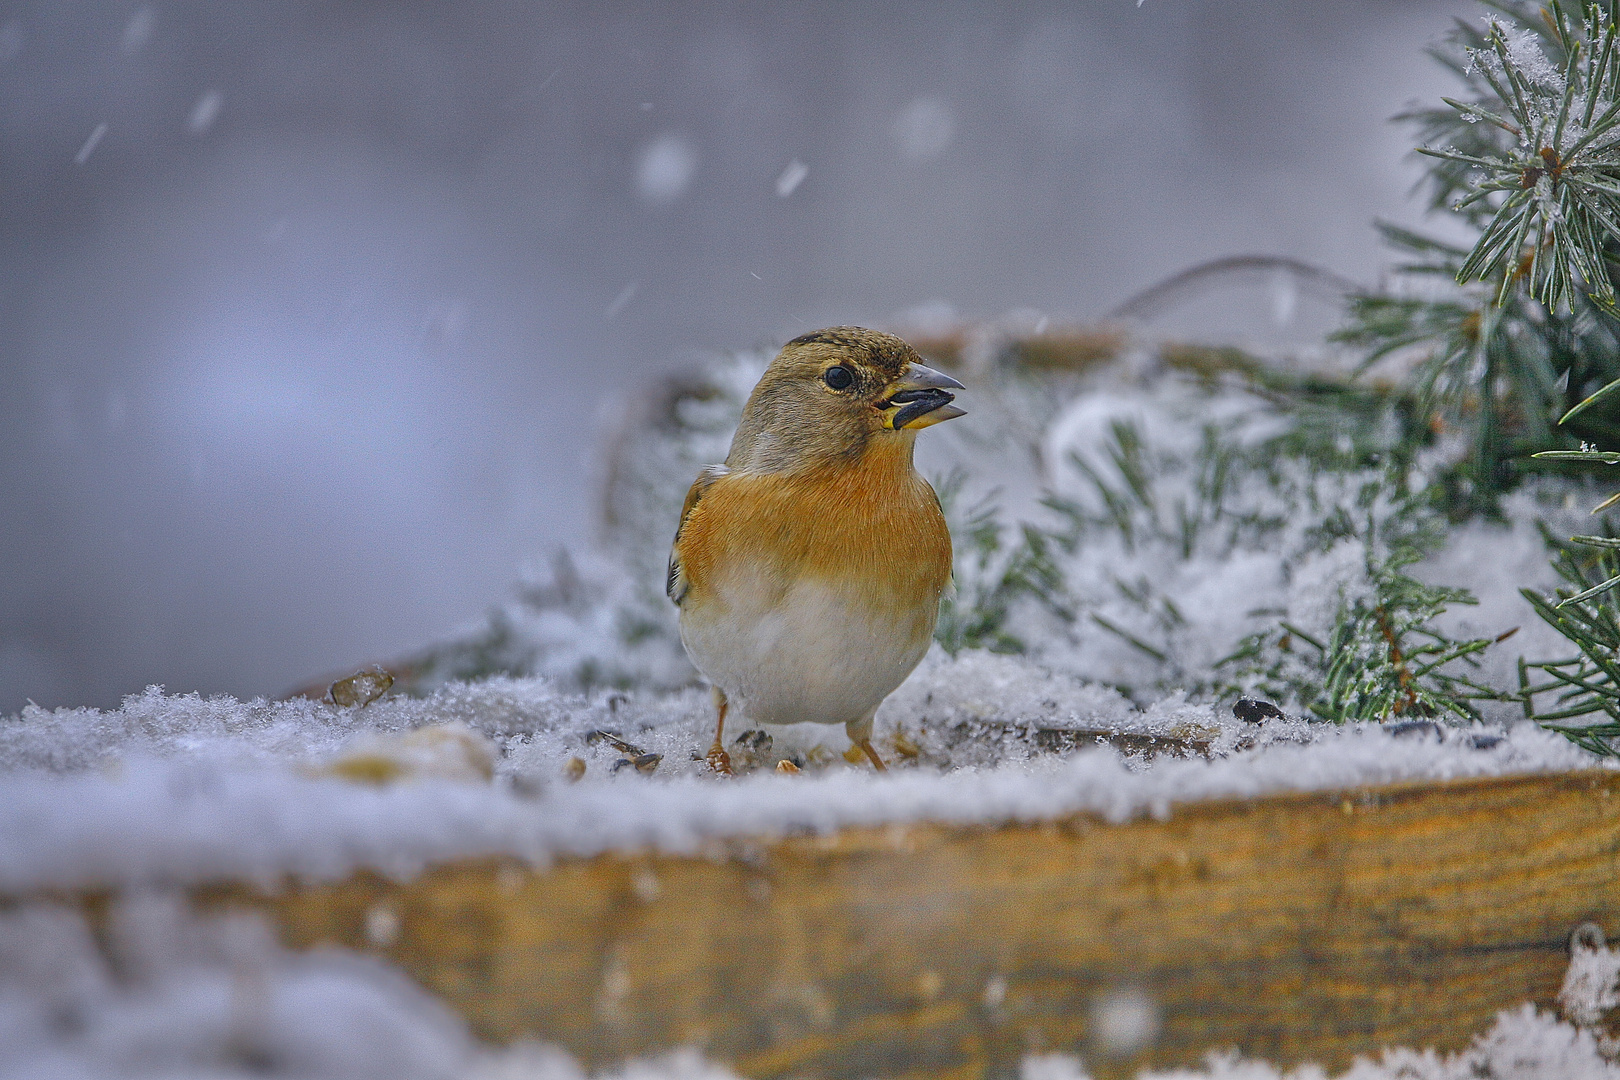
1295,928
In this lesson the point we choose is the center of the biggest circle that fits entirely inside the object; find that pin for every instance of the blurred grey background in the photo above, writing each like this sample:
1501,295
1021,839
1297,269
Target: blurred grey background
313,314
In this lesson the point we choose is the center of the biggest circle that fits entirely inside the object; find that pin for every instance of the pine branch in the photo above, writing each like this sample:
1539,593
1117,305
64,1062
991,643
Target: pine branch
1383,659
1552,185
1529,155
1587,613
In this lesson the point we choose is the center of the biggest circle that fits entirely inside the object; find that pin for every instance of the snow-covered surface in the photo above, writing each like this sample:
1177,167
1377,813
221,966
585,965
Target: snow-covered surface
171,994
170,790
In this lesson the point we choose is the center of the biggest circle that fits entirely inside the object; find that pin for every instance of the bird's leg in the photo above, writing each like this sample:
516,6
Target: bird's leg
860,733
718,759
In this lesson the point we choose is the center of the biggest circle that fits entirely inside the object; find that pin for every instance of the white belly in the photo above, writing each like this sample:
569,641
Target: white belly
815,656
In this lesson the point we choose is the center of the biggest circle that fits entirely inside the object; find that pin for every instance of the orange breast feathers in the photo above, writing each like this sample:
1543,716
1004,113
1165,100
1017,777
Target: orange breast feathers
871,528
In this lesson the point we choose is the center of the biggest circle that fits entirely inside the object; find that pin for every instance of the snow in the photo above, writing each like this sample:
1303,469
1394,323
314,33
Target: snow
177,995
1523,1044
1592,984
925,128
205,112
173,790
791,177
90,144
665,168
137,31
206,997
1524,49
618,303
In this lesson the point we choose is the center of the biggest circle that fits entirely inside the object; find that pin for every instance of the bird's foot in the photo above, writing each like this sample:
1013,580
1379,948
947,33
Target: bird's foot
786,766
877,762
719,761
864,749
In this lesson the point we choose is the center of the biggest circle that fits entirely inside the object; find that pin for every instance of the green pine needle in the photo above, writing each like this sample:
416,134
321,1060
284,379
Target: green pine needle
1553,186
1587,613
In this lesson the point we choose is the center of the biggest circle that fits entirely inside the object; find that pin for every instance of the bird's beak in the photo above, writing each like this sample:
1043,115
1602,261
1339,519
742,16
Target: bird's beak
918,399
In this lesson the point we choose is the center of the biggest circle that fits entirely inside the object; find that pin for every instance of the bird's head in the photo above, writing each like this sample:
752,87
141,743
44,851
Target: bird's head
829,395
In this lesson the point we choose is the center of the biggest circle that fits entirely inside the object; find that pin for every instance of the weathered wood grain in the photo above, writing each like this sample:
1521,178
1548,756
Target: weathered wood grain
1295,927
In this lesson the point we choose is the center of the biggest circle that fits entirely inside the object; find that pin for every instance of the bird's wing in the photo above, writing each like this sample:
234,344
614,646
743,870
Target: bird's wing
675,582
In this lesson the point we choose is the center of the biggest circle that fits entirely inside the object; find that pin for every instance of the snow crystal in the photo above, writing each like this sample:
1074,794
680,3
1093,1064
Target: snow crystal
665,169
1524,50
618,303
1592,984
1124,1022
137,31
792,176
205,112
925,128
90,144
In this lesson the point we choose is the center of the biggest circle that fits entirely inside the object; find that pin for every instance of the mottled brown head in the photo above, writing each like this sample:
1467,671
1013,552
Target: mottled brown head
830,393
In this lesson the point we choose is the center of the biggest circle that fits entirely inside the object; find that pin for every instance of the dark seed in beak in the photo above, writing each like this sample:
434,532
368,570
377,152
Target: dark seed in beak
916,403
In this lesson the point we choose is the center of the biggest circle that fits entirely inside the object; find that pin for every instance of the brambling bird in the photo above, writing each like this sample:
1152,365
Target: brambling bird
808,568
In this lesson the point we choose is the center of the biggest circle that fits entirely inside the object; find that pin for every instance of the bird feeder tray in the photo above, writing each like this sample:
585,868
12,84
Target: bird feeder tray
1292,927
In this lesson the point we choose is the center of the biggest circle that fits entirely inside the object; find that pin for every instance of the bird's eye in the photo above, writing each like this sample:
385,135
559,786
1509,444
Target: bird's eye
838,377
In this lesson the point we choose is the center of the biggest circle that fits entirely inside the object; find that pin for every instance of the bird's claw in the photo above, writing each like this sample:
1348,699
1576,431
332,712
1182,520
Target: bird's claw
719,761
863,751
